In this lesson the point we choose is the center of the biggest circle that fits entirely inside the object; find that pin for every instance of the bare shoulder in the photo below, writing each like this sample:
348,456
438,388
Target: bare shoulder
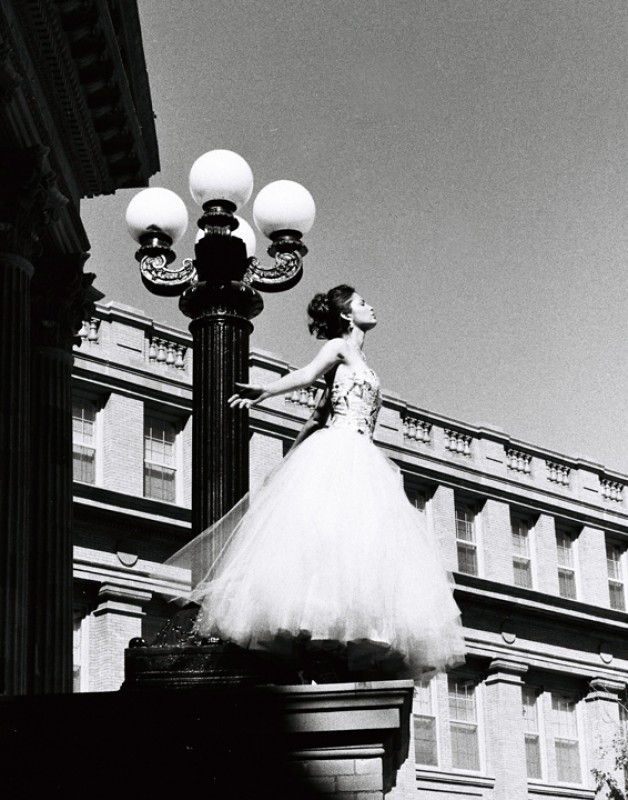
336,348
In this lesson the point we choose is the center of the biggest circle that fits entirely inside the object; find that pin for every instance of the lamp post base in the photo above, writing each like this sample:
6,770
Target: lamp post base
179,658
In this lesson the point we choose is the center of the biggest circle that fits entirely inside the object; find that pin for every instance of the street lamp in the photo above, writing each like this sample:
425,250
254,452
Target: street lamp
219,291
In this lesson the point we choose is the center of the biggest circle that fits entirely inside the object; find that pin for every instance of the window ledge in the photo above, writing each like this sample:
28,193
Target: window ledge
476,779
538,602
568,790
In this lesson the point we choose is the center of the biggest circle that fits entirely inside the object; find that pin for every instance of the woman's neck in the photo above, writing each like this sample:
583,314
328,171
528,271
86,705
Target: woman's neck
356,337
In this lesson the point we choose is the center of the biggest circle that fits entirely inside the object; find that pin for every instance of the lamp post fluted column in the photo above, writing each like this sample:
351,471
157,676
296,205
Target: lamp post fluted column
221,326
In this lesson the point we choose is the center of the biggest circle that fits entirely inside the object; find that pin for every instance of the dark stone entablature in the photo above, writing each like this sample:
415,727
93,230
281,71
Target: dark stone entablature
84,78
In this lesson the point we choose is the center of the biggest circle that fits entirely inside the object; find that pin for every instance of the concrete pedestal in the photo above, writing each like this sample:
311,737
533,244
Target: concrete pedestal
229,742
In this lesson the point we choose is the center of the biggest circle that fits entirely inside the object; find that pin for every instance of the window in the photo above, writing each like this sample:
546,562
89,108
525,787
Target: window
463,725
521,559
565,552
565,736
84,439
466,540
425,743
615,566
159,459
532,732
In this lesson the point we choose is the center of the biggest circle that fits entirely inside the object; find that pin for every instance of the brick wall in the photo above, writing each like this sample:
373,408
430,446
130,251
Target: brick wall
123,444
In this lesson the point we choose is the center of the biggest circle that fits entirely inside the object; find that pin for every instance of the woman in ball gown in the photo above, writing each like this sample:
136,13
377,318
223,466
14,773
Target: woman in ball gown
331,556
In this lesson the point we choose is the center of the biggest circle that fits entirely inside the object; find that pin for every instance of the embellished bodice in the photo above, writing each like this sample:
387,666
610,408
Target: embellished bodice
355,401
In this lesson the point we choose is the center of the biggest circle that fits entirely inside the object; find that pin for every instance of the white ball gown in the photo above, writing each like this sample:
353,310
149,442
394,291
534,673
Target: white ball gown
332,555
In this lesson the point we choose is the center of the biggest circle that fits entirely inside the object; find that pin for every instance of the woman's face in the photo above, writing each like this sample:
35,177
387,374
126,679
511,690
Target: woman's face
362,313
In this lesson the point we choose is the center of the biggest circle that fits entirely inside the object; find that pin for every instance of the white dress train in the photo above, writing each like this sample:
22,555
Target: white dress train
331,554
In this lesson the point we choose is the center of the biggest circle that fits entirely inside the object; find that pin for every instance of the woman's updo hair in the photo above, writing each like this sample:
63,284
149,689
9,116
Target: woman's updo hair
325,311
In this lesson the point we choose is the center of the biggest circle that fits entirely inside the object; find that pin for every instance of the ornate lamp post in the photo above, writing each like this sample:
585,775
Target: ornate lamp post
220,291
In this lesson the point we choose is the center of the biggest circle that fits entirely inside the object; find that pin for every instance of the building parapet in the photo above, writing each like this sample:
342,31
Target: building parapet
124,336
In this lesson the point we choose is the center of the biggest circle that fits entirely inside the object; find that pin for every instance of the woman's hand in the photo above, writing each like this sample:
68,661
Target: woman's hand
249,395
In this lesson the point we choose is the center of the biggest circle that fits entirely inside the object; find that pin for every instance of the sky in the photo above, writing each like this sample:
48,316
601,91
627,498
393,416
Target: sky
469,164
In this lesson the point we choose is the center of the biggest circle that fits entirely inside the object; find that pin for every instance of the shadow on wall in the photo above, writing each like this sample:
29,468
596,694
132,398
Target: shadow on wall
224,743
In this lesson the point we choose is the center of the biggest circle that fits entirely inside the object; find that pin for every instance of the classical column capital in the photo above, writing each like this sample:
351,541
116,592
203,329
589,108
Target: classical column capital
602,688
30,200
121,600
62,297
10,78
505,670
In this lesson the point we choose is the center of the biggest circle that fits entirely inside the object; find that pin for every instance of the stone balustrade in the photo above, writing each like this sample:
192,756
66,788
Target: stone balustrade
416,430
558,473
518,461
123,333
305,398
89,331
458,442
611,490
166,352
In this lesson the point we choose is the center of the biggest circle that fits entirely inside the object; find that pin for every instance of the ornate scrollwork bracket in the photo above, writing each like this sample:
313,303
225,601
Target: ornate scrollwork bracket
287,250
155,258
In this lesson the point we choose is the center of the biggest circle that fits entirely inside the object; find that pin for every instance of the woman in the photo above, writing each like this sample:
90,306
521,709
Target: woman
331,556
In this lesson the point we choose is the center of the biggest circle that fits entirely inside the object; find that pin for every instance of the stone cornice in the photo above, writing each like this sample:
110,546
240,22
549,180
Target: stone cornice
67,56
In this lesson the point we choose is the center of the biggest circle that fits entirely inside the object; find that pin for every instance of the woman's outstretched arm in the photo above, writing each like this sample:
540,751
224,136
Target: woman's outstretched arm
330,355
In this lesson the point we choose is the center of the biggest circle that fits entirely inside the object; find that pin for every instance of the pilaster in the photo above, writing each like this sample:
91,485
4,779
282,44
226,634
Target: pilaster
593,567
496,541
116,620
504,718
545,556
602,722
445,525
123,444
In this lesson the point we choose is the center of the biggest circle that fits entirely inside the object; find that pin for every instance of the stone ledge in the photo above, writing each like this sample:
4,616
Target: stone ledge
363,727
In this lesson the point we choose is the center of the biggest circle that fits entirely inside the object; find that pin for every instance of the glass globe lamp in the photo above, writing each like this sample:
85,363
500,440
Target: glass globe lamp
221,175
156,212
284,206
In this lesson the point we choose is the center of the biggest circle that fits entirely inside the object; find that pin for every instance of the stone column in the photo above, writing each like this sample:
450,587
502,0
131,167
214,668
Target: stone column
28,200
60,300
15,276
504,719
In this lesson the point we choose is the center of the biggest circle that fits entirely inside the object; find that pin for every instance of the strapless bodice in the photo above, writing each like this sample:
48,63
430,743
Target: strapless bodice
355,401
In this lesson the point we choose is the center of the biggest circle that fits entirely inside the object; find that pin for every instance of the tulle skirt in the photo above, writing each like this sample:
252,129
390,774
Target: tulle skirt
331,554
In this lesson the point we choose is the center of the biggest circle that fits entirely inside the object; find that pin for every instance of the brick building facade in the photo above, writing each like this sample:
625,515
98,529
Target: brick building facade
537,543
